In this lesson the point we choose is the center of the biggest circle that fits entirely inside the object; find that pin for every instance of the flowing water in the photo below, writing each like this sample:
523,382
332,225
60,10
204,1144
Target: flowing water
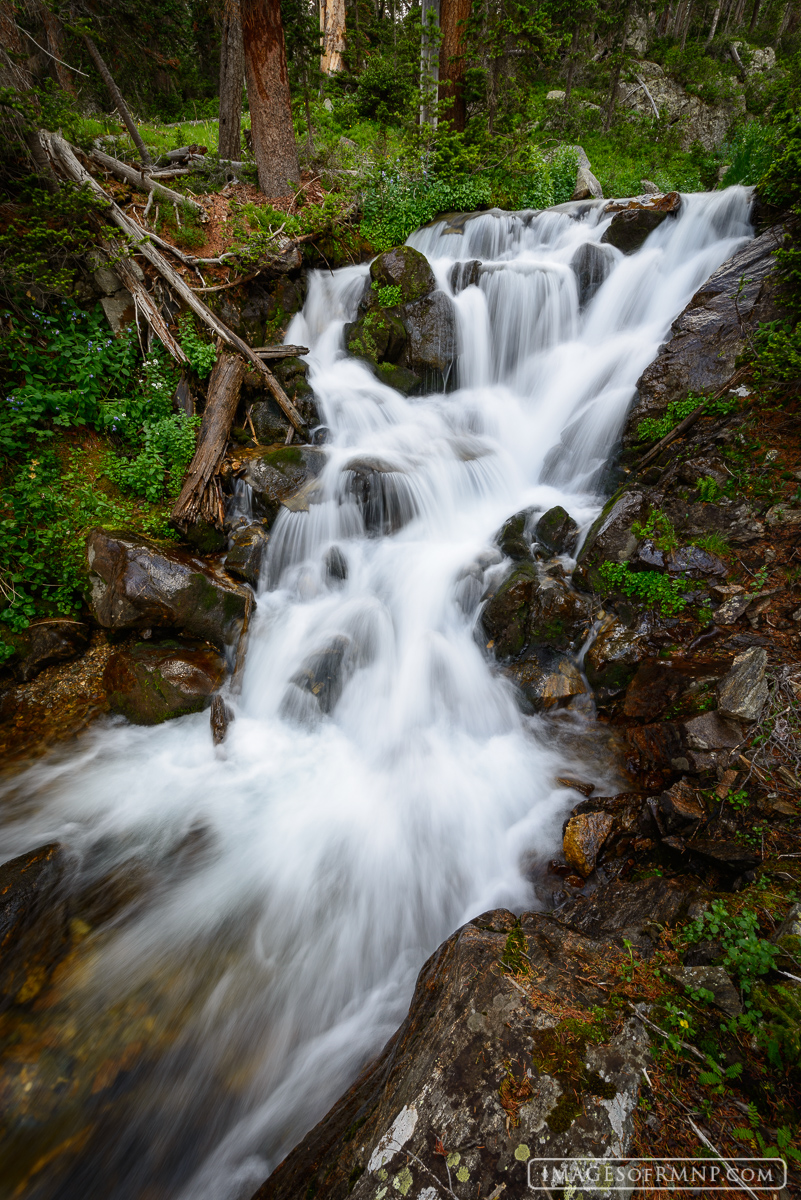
294,880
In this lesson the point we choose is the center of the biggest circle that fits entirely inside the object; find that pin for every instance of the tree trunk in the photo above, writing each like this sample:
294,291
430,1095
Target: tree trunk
232,77
55,44
200,496
571,66
714,25
116,95
453,18
754,17
429,62
144,182
16,76
687,19
332,28
620,56
268,93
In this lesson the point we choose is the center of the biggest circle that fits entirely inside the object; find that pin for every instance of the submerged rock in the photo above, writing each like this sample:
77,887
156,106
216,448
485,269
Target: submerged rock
455,1082
248,546
612,659
634,220
512,539
150,683
220,718
557,530
430,326
135,584
33,922
382,493
277,475
464,275
547,680
323,674
592,265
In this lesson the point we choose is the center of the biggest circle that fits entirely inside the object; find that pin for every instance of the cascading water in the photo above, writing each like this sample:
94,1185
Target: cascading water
297,877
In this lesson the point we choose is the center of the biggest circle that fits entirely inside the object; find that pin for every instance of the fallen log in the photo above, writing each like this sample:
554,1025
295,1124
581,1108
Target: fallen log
143,181
280,351
200,495
143,300
62,152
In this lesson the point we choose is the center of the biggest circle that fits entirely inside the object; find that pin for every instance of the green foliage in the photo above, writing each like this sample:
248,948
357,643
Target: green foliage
390,296
44,238
659,529
652,429
202,355
385,91
656,590
515,957
750,153
709,490
745,952
778,348
158,469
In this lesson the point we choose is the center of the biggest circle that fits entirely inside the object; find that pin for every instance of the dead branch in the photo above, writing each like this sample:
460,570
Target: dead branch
143,181
199,496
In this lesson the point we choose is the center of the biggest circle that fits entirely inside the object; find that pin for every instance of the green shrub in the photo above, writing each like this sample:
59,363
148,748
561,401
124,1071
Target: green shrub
656,590
385,91
750,153
390,296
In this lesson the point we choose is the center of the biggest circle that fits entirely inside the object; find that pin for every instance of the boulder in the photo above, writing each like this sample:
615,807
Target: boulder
464,275
405,268
135,584
691,562
547,680
322,677
554,96
247,550
611,538
649,188
635,910
51,641
400,378
277,475
513,540
33,922
634,220
712,331
557,530
712,979
336,566
592,264
587,186
378,337
150,683
430,348
691,117
533,609
269,422
583,837
382,493
483,1075
612,658
743,691
220,717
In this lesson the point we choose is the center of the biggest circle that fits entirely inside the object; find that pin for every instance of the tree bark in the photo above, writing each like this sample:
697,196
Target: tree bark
232,78
55,44
571,66
16,76
332,28
199,496
754,17
452,19
714,25
429,62
268,94
116,96
139,179
688,16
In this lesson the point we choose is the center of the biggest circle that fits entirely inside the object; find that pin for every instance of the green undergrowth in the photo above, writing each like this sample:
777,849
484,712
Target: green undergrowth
654,589
653,429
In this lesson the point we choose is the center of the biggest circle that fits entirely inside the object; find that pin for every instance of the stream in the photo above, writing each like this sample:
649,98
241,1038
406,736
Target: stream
295,879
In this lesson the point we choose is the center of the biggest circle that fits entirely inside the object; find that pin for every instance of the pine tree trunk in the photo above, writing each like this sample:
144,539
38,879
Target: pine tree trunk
571,66
429,62
452,19
687,19
268,94
714,25
754,17
332,28
119,103
14,74
55,40
232,77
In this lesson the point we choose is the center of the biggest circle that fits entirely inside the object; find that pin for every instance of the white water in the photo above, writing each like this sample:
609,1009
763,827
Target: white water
338,852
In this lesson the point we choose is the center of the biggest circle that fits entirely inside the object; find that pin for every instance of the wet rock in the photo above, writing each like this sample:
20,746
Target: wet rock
383,494
245,556
583,837
557,530
712,731
648,557
205,538
48,642
266,306
592,264
633,910
268,420
456,1076
430,349
150,683
513,540
634,220
587,186
277,475
336,566
531,609
610,538
713,979
547,680
707,337
378,337
656,686
727,853
33,922
135,584
220,718
612,658
732,609
323,674
682,808
690,562
407,382
659,747
464,275
743,691
405,268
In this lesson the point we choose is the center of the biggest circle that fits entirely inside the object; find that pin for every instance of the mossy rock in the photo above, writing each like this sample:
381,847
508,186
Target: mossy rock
378,337
407,382
149,684
405,268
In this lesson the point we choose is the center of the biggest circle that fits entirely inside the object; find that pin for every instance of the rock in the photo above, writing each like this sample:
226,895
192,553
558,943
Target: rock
649,188
220,718
658,746
262,311
555,96
711,332
329,107
635,910
592,264
612,658
150,683
713,979
587,186
732,609
711,731
52,641
405,268
278,475
465,275
382,493
655,687
729,854
120,309
430,348
205,538
512,538
557,530
378,337
400,378
532,609
268,420
781,515
336,566
610,538
135,584
693,120
456,1076
323,673
33,922
743,691
691,562
547,679
681,807
248,546
583,837
632,224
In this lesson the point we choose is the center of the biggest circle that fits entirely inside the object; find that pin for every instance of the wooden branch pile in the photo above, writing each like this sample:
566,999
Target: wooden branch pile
200,496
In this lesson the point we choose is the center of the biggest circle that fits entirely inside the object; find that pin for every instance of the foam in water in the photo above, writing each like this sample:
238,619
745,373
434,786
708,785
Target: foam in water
330,853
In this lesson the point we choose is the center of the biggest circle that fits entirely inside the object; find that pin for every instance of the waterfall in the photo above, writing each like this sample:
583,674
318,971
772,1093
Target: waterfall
298,876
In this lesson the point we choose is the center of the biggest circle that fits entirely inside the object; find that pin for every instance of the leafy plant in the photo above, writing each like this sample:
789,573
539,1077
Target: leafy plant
745,952
658,591
389,296
202,355
652,429
709,490
659,529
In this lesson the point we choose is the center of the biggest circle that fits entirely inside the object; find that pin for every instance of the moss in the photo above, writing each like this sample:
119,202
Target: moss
288,456
354,1177
597,1086
564,1113
379,336
353,1129
515,953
